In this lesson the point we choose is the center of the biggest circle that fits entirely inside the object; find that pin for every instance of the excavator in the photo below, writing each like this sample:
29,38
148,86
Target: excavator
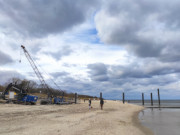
18,95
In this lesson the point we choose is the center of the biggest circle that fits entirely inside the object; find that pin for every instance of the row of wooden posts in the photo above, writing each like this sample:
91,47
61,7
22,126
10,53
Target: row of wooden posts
123,98
151,95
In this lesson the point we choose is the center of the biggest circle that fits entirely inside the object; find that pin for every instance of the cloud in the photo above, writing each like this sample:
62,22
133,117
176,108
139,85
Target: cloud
35,48
8,75
64,51
37,18
144,76
144,69
74,85
5,59
144,28
97,68
98,72
59,74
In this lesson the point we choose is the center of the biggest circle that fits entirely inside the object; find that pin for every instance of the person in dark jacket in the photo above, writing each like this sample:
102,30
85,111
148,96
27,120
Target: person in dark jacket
101,103
89,104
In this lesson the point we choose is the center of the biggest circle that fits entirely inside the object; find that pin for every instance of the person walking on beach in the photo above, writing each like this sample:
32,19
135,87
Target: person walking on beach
101,103
89,103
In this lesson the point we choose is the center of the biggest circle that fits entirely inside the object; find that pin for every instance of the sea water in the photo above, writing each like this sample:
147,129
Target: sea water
161,121
163,103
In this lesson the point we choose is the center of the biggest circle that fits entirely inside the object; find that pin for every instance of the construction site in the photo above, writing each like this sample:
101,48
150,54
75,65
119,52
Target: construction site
26,109
19,91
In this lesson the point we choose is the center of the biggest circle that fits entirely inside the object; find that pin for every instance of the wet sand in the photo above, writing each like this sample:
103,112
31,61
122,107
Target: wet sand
75,119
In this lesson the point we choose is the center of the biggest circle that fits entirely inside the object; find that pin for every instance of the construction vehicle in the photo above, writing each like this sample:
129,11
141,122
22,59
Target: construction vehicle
18,95
51,99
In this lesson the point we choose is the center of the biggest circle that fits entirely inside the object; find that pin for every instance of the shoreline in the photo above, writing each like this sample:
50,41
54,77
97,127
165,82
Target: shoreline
116,118
138,124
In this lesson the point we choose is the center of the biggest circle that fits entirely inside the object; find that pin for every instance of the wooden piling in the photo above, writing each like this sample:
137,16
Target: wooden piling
75,97
151,99
159,97
143,99
123,98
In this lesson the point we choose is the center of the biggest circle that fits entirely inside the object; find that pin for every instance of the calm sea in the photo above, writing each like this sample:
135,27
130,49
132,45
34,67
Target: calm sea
164,121
164,103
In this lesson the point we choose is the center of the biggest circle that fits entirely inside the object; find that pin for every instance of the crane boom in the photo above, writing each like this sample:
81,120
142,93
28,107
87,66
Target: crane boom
37,72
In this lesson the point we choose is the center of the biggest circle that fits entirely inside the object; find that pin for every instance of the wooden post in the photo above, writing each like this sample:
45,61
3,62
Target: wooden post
100,95
159,97
151,99
75,96
143,99
123,98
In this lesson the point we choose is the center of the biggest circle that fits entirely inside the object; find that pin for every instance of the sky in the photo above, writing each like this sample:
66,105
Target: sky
94,46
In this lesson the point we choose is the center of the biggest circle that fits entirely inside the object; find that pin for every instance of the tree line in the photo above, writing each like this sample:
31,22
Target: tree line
33,88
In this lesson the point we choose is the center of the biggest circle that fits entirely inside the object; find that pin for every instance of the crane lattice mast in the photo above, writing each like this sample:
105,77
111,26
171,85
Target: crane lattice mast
37,72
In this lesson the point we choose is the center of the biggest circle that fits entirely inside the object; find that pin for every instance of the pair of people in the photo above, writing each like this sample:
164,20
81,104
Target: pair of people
101,103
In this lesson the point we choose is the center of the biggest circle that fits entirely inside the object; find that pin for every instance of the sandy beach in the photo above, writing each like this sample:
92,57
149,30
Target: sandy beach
75,119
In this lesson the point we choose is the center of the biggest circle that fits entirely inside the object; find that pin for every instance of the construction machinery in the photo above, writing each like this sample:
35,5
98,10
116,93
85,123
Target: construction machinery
51,99
17,95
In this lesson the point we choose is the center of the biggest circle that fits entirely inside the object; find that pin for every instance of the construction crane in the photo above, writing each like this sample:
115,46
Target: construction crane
41,79
37,72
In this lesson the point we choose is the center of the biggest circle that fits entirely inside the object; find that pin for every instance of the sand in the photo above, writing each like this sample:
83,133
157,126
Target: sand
76,119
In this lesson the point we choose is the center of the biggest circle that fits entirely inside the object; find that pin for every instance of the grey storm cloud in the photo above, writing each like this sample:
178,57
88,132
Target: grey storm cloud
8,75
4,58
64,51
73,85
36,48
59,74
38,18
148,69
158,80
150,72
84,86
98,72
145,28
